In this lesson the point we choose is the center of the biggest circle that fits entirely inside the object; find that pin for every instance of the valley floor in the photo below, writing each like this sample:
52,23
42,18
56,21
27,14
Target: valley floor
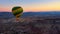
33,25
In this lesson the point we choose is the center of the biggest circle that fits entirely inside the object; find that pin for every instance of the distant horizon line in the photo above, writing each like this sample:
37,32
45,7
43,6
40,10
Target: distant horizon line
32,11
35,11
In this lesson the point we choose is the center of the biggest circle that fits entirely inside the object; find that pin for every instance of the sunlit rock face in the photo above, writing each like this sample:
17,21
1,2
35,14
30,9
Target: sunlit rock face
30,25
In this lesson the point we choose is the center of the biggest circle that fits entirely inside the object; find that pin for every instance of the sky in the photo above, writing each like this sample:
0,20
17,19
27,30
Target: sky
30,5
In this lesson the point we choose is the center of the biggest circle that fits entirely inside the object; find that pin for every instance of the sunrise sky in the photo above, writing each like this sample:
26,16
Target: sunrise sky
30,5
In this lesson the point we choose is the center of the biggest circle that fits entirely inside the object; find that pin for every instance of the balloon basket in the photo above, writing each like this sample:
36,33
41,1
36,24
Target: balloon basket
17,20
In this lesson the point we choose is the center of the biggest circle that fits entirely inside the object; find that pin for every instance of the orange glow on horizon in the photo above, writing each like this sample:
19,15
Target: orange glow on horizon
34,8
31,5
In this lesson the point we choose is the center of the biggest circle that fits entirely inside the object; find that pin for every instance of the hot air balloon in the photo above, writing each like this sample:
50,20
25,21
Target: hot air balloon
17,11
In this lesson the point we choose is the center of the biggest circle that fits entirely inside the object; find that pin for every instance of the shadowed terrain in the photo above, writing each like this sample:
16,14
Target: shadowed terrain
30,25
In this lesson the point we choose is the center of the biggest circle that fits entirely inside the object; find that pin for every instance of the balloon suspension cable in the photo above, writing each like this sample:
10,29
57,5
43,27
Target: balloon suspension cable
17,19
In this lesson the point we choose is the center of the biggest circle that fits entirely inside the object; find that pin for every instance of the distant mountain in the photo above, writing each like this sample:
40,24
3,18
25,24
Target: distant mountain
6,15
41,14
28,14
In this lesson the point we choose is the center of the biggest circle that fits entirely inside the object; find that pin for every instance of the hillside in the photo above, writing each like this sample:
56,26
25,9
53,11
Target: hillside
30,24
30,14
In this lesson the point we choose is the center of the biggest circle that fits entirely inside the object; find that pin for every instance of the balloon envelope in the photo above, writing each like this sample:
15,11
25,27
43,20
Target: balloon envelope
17,11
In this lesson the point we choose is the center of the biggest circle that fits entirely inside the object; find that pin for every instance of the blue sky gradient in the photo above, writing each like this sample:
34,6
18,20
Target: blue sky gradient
30,5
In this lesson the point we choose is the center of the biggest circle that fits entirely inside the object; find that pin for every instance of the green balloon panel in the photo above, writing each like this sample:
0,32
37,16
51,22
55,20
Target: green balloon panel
17,10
